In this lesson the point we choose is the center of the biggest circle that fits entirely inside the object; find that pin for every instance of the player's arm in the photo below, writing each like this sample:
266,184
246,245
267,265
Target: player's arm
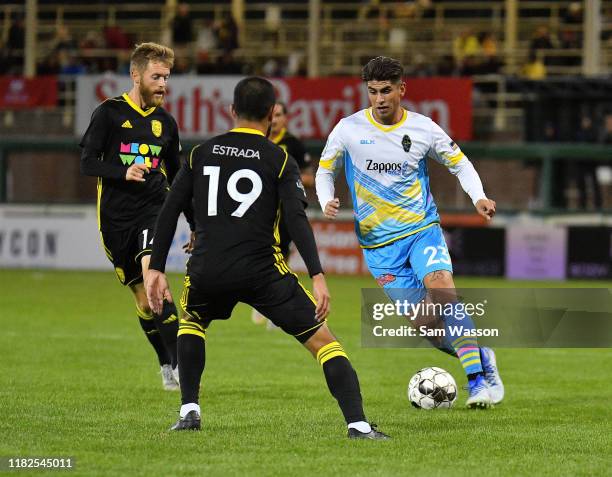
94,143
447,152
155,279
293,199
329,165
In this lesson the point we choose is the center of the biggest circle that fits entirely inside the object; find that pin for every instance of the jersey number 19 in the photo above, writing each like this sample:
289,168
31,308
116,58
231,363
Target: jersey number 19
245,200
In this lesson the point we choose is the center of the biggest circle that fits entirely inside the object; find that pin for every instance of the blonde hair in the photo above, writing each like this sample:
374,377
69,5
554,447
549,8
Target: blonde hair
146,52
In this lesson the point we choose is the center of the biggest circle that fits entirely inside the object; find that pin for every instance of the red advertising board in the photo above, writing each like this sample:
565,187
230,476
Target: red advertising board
338,248
27,93
200,104
316,105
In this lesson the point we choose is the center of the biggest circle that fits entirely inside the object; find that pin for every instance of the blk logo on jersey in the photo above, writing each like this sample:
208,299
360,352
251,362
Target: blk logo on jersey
134,153
406,143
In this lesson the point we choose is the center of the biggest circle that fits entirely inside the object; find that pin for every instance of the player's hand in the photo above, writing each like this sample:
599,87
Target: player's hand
188,247
158,290
321,294
136,172
486,208
331,208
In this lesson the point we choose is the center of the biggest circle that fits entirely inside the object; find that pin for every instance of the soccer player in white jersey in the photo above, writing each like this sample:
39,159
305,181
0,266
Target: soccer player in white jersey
384,151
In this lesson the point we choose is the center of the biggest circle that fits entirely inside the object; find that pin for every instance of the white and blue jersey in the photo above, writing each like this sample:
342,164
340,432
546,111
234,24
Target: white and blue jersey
386,172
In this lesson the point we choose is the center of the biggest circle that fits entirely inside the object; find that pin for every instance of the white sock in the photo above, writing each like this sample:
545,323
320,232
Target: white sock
361,426
186,408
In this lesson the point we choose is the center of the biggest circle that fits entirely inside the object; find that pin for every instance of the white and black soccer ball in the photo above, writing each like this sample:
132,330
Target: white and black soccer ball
432,388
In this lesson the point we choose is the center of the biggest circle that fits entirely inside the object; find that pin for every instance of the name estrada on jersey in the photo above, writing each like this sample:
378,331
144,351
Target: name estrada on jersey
386,172
121,134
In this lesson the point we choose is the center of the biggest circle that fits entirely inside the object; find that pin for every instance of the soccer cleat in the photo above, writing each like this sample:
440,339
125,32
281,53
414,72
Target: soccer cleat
169,381
374,434
479,394
191,422
489,364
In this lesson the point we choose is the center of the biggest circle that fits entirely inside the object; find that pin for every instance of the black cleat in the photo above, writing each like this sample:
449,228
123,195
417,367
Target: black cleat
374,434
191,422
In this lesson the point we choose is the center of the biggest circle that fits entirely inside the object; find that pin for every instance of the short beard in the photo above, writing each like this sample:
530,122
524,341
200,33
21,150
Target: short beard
149,99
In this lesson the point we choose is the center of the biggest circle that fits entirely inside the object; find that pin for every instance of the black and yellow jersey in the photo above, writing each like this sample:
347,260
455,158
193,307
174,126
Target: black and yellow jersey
237,181
121,134
294,147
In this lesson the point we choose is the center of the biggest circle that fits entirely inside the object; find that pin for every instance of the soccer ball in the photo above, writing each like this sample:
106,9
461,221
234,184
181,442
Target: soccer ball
432,388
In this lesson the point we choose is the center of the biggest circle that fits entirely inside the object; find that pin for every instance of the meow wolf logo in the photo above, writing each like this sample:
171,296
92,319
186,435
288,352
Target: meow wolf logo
134,153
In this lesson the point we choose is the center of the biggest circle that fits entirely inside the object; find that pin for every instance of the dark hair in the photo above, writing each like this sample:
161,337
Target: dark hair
382,68
253,98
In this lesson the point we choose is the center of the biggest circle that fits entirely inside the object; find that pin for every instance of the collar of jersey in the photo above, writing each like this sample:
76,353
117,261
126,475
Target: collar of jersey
136,107
383,128
280,136
248,131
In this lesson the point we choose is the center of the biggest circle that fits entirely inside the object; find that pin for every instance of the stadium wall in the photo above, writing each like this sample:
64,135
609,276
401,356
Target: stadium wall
66,237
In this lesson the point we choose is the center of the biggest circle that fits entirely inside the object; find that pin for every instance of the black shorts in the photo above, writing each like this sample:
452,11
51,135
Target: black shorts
125,248
285,302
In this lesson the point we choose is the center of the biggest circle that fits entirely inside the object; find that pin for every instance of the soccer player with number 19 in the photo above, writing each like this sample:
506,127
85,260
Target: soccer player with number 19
384,150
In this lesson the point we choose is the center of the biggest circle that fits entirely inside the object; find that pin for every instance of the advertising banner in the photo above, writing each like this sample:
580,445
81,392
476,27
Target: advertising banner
200,104
536,252
64,238
27,93
589,252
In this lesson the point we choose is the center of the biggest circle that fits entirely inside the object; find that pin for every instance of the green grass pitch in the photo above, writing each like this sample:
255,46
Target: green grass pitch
78,379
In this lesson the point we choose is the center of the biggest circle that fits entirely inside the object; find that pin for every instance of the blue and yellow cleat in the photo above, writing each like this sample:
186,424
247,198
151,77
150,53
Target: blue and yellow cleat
479,394
489,365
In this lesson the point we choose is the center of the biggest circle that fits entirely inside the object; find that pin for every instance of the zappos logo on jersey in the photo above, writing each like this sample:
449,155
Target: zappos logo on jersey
393,168
134,153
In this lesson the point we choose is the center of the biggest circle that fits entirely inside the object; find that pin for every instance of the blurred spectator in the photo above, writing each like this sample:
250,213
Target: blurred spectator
117,39
419,67
226,32
573,14
446,66
90,47
228,65
570,39
585,171
534,69
70,63
491,63
15,44
273,68
466,44
182,66
50,65
63,41
182,26
205,40
542,40
204,64
605,136
273,17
